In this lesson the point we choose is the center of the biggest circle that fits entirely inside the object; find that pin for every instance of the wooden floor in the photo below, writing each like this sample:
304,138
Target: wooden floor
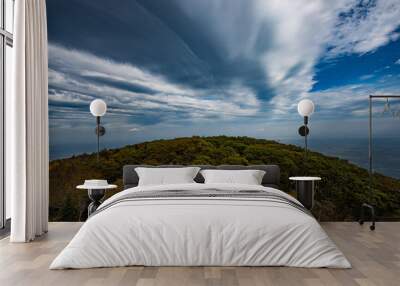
375,257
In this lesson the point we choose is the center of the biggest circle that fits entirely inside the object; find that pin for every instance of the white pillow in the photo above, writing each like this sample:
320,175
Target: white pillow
248,177
166,176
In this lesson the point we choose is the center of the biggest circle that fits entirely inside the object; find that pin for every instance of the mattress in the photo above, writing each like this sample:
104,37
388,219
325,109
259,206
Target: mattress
201,225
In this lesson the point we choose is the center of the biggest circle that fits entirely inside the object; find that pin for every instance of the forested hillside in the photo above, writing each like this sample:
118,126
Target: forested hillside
343,188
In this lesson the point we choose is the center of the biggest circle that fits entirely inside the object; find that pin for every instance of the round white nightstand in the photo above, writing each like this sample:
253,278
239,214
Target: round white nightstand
96,194
305,187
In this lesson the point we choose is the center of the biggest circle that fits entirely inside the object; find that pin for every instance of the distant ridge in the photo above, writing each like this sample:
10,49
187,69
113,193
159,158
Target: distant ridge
343,188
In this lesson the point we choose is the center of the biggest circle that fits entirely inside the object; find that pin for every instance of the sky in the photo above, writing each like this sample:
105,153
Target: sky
208,67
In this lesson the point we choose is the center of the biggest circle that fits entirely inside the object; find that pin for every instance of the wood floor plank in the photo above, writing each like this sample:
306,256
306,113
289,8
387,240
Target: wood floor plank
375,257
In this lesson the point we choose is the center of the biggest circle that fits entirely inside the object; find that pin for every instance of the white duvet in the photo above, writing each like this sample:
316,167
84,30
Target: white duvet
193,231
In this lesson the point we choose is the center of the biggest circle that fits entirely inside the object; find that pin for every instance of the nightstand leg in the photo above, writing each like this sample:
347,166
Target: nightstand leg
305,193
95,196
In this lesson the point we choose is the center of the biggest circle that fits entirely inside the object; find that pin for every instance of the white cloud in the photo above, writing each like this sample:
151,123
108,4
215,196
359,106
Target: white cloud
366,27
77,77
301,29
367,76
135,129
350,100
79,63
288,37
305,30
397,62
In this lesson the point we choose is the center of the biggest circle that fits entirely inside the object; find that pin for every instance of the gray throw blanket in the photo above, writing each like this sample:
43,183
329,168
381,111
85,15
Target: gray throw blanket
205,194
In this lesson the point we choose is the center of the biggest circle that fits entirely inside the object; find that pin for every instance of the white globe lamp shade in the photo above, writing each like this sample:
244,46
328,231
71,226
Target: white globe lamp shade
305,107
98,107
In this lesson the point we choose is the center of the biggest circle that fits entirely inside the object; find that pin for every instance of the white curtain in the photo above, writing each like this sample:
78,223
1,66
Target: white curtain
28,124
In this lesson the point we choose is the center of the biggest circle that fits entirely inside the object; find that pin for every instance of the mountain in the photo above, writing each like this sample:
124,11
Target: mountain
343,188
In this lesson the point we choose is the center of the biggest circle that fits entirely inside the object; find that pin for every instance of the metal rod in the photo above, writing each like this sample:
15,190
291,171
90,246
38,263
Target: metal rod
368,205
306,147
305,142
384,96
98,136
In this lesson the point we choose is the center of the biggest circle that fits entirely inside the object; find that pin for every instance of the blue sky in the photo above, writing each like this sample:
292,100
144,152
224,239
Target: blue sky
207,67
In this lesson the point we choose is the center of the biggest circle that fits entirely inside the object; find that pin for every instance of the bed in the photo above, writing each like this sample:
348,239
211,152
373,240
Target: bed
198,224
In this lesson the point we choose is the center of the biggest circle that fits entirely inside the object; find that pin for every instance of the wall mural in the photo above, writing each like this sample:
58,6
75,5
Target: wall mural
218,82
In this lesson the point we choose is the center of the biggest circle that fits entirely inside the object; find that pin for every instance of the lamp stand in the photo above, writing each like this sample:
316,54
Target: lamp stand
100,131
305,139
98,136
303,131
